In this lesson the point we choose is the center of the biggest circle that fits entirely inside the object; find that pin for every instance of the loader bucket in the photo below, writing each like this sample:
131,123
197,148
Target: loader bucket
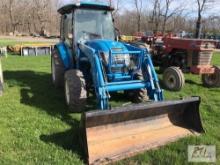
122,132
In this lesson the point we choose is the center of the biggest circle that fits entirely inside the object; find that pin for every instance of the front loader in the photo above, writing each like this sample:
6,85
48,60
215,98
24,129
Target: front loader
89,60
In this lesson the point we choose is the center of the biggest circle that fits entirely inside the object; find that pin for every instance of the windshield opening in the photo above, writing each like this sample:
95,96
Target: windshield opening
93,24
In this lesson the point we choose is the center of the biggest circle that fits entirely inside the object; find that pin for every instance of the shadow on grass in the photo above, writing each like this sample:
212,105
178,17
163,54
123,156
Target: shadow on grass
193,83
38,91
68,140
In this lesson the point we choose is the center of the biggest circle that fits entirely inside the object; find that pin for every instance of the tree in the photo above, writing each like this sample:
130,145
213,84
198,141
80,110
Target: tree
138,5
155,17
202,5
167,12
162,12
116,5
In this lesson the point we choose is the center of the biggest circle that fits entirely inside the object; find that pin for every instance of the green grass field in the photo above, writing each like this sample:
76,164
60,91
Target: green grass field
36,128
9,42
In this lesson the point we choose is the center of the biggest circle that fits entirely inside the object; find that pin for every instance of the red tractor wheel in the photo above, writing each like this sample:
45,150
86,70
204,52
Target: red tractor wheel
173,79
212,80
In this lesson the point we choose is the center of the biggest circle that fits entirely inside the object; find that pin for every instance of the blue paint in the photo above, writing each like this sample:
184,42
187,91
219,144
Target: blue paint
119,81
113,65
65,55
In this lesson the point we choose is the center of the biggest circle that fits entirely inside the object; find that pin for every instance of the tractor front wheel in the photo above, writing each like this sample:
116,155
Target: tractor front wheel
75,90
139,95
173,79
57,69
212,80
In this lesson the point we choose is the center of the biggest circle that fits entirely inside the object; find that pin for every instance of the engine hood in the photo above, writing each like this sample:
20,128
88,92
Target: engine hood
106,45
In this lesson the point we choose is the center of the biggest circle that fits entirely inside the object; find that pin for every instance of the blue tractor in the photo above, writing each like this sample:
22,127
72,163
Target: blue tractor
89,59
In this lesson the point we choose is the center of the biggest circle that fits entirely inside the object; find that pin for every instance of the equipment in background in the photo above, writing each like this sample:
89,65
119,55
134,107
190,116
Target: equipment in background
125,38
31,49
176,55
89,60
3,51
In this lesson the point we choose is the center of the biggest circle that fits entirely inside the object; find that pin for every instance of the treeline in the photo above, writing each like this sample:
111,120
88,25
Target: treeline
128,25
40,16
168,16
28,16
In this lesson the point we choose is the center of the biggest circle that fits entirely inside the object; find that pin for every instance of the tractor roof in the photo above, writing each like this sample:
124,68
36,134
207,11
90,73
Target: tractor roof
85,5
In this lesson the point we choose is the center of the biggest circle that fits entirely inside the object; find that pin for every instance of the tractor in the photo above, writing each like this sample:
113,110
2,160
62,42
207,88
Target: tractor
176,56
90,62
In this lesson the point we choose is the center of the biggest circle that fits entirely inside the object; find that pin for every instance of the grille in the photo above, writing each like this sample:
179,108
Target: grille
202,58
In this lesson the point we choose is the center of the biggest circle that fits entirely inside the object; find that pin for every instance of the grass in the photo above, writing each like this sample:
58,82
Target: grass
35,127
11,42
7,42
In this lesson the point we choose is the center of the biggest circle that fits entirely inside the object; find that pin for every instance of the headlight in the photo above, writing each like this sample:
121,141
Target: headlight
122,59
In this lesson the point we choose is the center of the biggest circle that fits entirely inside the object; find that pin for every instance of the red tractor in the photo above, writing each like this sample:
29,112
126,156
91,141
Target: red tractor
177,55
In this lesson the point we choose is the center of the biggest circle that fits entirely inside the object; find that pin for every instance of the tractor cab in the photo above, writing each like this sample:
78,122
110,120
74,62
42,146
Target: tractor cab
85,21
92,24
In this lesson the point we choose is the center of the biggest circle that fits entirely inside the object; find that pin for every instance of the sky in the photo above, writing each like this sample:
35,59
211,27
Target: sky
190,6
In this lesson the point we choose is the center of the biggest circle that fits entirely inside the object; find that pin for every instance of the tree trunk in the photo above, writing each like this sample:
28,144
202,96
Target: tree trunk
198,27
139,23
164,26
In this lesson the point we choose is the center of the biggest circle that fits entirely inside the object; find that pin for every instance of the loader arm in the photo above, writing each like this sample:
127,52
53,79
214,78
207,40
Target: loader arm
150,75
102,87
97,75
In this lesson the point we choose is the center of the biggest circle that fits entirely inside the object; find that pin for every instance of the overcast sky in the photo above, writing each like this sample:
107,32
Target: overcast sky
190,6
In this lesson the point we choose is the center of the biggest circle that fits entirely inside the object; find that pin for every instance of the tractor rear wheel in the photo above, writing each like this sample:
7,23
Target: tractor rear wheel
57,69
75,90
212,80
173,79
1,80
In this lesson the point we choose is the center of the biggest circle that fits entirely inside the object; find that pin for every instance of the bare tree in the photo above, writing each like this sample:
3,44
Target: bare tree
155,17
13,7
162,12
167,13
116,5
202,5
30,16
138,5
